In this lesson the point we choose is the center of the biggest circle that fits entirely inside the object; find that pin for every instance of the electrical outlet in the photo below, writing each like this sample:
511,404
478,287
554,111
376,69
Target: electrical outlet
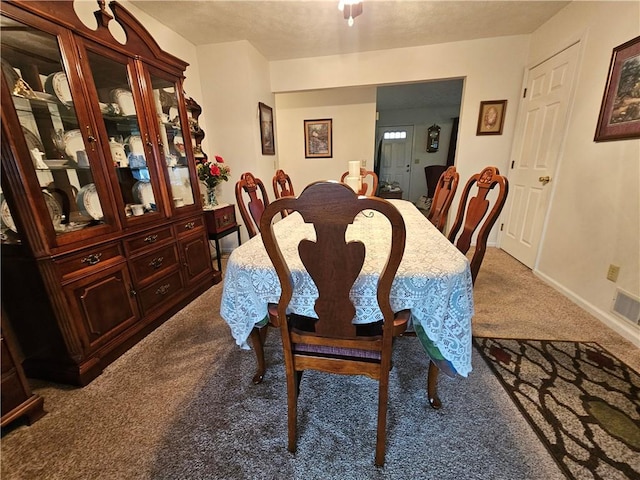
613,272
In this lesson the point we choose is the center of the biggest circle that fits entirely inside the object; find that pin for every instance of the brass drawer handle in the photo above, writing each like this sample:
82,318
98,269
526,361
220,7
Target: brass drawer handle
163,289
92,259
190,225
151,238
156,262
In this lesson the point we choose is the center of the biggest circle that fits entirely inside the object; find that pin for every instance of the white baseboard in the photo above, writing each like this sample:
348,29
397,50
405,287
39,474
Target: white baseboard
625,329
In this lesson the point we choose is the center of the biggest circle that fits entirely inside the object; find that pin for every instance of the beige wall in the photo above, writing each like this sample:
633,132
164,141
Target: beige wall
352,111
594,216
234,79
492,68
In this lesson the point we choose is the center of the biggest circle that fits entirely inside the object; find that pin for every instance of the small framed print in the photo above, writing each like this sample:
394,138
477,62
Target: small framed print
620,110
266,129
318,138
491,117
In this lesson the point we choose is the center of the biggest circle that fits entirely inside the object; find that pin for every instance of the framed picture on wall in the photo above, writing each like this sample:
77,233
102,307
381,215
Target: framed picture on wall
491,117
318,142
266,130
620,110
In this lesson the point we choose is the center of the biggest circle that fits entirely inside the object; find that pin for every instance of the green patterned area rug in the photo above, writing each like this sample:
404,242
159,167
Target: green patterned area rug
583,403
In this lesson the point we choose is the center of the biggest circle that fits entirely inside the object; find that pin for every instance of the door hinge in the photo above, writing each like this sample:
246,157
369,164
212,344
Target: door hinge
524,94
501,226
513,162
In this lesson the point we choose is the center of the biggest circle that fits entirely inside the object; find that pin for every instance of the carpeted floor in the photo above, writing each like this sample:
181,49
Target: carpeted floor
583,403
180,405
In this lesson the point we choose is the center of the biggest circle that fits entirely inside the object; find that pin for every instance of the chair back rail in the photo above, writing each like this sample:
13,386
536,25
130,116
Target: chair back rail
471,213
282,187
252,199
445,190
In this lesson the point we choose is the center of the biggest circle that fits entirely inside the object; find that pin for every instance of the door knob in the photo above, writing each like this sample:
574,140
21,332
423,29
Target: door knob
544,180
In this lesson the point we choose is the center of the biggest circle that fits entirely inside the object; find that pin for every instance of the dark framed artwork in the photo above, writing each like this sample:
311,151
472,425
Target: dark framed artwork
318,141
620,110
266,129
491,117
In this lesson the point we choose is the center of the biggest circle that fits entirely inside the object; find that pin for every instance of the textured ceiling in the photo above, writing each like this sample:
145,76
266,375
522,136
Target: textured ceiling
308,28
282,30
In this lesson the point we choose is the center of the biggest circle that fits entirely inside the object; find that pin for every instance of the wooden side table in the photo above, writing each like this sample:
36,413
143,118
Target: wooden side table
221,221
387,194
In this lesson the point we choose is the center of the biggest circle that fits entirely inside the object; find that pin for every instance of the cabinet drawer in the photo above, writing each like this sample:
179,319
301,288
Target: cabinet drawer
221,218
88,259
147,239
184,227
154,262
159,291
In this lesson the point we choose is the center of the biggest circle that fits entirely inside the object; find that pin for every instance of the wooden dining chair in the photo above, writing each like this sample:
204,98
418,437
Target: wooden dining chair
367,177
332,343
251,208
282,187
445,190
472,213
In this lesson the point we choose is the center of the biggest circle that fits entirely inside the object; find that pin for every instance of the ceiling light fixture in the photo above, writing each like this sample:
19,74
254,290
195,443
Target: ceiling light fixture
351,9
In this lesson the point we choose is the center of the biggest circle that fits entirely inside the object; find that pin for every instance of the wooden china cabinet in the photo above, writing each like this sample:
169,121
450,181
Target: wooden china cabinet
103,236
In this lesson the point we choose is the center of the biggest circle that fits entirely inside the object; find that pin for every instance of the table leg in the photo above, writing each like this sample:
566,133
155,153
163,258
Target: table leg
218,255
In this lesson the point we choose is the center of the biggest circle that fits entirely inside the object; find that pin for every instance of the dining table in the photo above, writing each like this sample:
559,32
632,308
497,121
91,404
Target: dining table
433,281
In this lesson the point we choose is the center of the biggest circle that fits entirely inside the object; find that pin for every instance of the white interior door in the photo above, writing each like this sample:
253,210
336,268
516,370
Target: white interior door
541,130
395,157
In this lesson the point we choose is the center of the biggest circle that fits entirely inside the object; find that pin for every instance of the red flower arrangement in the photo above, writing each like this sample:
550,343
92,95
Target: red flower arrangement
212,173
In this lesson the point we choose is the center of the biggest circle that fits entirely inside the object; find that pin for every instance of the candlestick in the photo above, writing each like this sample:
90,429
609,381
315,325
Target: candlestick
354,168
354,182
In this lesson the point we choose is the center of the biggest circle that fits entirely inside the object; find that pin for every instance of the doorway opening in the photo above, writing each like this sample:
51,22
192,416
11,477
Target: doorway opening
413,108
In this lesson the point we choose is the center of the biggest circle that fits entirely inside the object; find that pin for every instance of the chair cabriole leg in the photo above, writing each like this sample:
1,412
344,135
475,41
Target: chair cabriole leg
432,386
258,337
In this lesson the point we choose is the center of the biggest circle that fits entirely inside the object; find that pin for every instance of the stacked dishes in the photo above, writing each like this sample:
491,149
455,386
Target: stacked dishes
57,84
89,202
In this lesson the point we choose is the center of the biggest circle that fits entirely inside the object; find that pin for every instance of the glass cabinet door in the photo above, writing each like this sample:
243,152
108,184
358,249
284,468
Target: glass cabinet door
62,151
128,144
172,138
8,230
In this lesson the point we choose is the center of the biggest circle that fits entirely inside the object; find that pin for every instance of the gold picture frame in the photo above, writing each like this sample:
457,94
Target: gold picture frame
491,117
619,116
318,138
267,138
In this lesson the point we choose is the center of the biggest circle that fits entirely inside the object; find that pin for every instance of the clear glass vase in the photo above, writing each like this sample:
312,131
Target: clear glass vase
212,199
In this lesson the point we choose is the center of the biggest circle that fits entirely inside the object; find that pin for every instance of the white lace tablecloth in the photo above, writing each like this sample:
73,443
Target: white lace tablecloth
433,280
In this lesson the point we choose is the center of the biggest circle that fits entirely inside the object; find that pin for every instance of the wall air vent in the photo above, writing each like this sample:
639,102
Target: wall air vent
627,306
